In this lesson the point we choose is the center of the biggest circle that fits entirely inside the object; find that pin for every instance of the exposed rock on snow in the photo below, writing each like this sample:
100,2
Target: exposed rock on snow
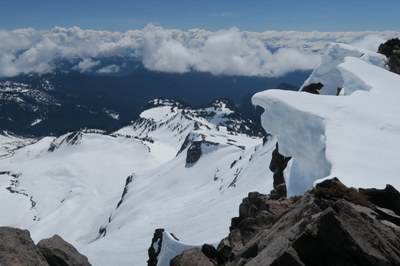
195,150
277,166
313,88
17,248
391,49
155,247
323,227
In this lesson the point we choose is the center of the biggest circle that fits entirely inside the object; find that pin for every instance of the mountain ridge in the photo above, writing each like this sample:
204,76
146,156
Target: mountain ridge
107,184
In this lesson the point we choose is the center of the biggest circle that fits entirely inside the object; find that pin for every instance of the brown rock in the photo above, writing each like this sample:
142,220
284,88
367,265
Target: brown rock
58,252
192,257
388,198
17,248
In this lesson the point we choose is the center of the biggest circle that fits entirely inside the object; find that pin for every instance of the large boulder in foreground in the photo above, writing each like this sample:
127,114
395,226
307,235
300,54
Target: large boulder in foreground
59,252
330,225
18,249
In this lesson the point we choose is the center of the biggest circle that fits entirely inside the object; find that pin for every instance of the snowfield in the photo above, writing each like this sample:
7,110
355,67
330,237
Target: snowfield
106,194
354,136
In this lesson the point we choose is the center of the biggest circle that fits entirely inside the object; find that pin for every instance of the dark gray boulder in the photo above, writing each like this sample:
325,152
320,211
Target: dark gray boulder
313,88
277,166
391,49
388,197
59,252
17,248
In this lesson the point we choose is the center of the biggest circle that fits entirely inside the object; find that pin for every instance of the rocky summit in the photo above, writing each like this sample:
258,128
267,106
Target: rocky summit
330,225
18,249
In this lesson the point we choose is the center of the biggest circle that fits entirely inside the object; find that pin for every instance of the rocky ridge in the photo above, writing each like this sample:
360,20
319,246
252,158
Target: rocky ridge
330,225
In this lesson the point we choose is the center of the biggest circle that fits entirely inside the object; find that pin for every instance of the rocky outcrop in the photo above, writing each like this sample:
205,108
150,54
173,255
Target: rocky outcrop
155,247
313,88
192,257
391,49
277,166
388,198
329,225
194,151
59,252
17,248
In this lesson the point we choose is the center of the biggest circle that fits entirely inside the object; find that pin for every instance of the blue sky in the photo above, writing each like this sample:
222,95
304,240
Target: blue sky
121,15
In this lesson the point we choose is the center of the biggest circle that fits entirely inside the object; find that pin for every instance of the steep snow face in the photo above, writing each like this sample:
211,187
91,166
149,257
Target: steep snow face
328,73
353,137
106,194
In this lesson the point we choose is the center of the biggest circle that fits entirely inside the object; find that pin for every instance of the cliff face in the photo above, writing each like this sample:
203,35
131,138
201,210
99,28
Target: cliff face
330,225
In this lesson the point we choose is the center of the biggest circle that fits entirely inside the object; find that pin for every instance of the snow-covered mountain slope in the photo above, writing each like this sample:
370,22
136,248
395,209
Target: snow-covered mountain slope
354,136
175,168
10,143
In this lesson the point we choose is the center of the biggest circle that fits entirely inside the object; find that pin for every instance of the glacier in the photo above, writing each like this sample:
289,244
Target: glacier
353,136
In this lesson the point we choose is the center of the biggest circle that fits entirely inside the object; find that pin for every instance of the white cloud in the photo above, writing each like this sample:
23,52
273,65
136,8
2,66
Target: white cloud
86,64
223,52
369,42
226,52
162,52
108,69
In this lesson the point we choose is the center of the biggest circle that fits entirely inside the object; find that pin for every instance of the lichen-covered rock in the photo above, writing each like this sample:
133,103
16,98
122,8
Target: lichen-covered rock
59,252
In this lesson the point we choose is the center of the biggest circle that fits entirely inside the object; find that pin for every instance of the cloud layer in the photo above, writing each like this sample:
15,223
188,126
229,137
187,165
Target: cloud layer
229,52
